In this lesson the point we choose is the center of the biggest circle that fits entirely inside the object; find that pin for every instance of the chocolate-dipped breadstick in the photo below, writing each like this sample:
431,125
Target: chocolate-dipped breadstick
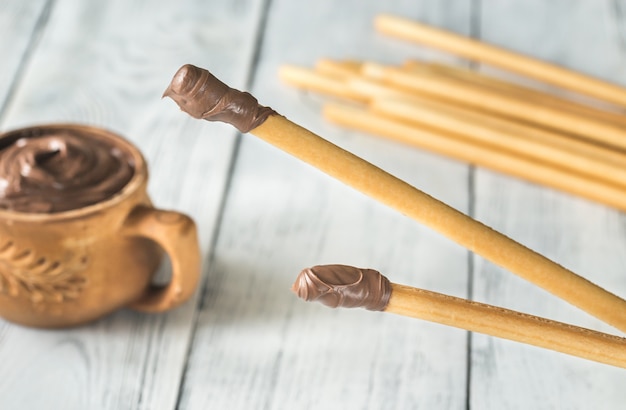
347,286
203,96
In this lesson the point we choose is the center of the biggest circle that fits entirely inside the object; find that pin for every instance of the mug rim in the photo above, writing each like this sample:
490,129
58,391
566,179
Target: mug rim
139,177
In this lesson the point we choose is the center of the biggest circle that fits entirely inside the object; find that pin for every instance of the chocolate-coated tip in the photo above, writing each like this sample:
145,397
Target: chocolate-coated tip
201,95
343,286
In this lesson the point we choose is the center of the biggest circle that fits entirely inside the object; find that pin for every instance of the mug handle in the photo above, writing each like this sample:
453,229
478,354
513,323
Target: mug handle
176,233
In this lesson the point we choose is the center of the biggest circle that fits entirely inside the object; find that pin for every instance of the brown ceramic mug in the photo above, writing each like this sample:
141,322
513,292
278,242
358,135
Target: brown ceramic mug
66,268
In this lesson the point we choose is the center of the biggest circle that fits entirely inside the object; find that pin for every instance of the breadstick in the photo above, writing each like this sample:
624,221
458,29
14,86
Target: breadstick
347,286
508,60
203,96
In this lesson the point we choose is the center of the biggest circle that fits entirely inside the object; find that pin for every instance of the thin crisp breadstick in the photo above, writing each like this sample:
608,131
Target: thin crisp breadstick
454,147
482,52
349,287
507,324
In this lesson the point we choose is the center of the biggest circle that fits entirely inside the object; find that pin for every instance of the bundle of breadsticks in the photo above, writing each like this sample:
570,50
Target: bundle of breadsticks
563,143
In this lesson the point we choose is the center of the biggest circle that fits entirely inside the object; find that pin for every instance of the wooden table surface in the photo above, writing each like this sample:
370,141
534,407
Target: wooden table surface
245,341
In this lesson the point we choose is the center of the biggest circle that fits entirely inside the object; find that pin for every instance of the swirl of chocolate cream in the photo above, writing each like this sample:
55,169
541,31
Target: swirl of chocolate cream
59,171
201,95
343,286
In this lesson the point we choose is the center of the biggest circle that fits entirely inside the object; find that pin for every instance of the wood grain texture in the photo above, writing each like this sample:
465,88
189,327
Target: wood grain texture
257,345
585,237
107,64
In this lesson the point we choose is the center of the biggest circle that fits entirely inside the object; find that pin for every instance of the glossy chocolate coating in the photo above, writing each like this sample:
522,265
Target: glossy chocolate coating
198,93
343,286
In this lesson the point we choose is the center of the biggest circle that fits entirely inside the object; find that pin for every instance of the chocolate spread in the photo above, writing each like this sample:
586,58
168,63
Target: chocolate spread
201,95
343,286
58,170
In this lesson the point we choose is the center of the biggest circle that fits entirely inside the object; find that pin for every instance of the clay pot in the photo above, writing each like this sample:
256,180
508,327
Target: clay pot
67,268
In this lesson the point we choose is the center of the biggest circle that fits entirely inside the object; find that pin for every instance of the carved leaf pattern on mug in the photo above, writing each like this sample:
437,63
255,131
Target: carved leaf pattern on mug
22,271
